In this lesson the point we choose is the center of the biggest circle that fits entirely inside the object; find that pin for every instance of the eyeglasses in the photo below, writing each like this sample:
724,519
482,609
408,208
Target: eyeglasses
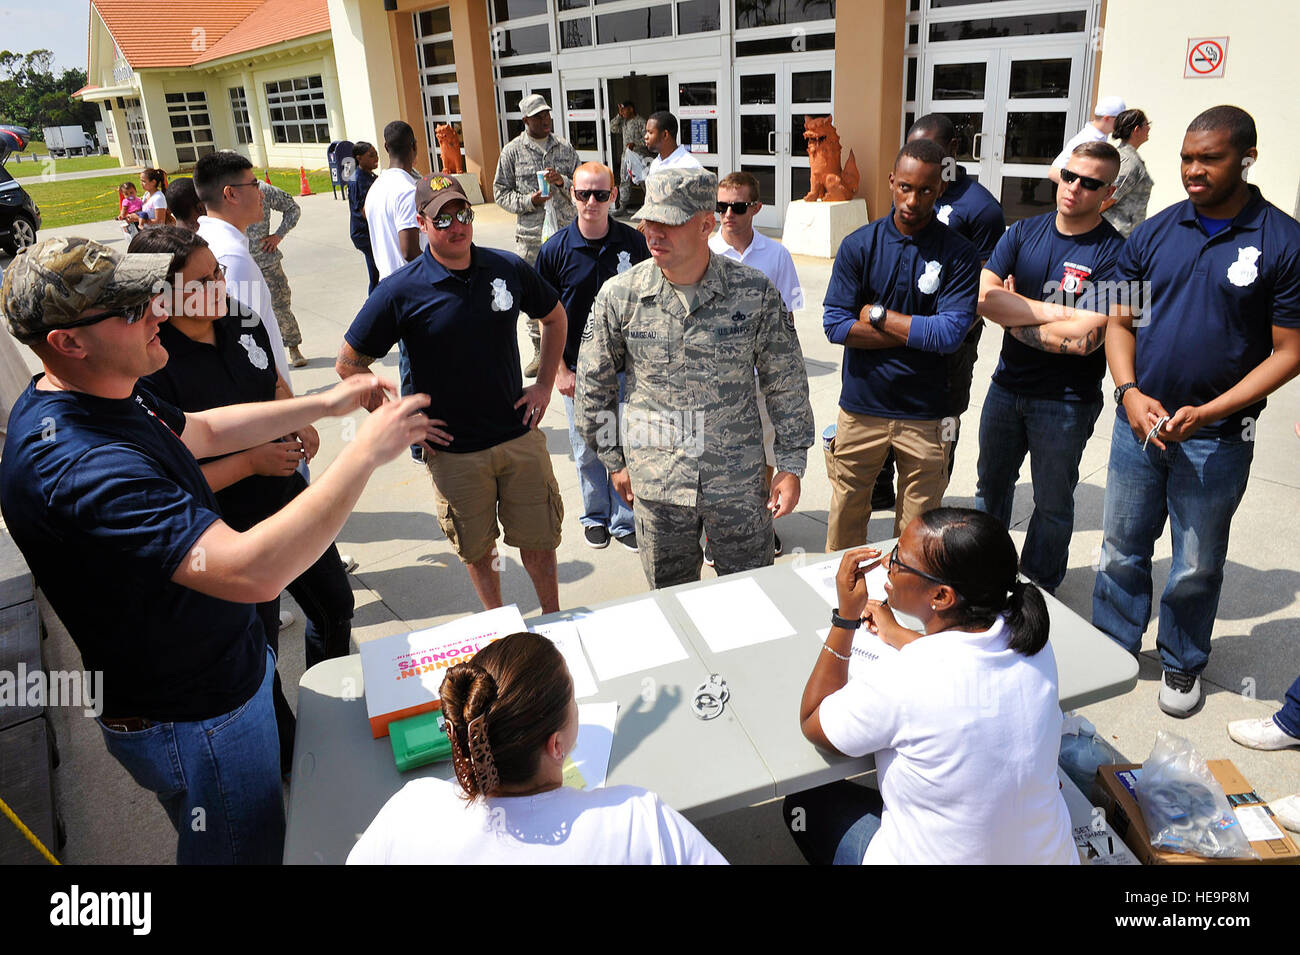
737,208
1087,182
218,276
443,219
600,195
132,315
896,564
237,185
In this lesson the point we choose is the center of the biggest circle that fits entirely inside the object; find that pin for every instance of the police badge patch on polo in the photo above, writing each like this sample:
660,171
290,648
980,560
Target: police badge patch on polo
256,356
624,262
1243,272
502,300
928,281
943,214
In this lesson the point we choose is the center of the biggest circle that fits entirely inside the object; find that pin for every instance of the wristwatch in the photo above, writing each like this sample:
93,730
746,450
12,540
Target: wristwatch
838,621
1119,392
877,317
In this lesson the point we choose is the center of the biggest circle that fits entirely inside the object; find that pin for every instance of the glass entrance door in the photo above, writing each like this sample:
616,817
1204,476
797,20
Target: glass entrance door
584,118
694,101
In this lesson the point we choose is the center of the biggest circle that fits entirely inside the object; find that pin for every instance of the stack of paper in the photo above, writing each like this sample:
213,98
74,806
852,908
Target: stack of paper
587,767
564,634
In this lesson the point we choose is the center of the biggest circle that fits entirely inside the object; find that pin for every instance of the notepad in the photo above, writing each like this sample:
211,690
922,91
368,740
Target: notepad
587,767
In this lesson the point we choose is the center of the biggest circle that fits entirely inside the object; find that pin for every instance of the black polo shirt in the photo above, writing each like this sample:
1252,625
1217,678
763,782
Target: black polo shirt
460,333
238,369
578,267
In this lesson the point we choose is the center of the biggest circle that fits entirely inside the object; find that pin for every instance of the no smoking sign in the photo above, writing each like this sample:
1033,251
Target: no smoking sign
1206,57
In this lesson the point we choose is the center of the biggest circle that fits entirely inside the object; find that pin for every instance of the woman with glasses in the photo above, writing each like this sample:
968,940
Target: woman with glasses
1128,207
215,358
962,713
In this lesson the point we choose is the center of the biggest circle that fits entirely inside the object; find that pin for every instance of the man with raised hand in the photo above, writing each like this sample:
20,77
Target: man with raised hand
102,492
1048,285
1212,330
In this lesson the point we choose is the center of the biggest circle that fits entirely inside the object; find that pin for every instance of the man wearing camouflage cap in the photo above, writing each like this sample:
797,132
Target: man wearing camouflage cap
102,492
689,328
516,189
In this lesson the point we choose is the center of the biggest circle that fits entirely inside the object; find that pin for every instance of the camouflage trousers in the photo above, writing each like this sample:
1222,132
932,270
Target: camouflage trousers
278,285
668,537
527,249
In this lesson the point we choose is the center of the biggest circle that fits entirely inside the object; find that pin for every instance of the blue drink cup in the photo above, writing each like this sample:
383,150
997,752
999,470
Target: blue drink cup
543,186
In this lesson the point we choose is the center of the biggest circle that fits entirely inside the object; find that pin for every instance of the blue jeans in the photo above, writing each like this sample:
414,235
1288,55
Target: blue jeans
218,779
1288,718
834,824
1198,484
1053,433
601,504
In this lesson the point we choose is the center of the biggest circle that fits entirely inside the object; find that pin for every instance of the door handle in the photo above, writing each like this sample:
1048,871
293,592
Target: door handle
976,142
771,143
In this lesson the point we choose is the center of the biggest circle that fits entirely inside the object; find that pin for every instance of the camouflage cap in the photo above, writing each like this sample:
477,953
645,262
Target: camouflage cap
48,285
532,105
435,191
673,196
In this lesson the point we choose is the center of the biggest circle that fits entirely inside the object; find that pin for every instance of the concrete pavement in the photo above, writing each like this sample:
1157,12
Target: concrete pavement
408,576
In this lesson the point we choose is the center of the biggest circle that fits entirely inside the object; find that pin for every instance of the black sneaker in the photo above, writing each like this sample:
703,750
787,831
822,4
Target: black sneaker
776,541
597,537
882,497
628,540
708,553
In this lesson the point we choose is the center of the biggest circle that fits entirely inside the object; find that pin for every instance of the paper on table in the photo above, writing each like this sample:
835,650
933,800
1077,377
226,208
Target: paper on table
867,649
587,767
821,578
564,634
627,638
734,613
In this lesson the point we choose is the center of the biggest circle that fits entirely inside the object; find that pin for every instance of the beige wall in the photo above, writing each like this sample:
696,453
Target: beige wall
1144,45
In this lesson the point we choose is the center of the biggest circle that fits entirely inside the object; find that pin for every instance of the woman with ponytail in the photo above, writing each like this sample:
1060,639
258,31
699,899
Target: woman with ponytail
962,714
512,719
154,209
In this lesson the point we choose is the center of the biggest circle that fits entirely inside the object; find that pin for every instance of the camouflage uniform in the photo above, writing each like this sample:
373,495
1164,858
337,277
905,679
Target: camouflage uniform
513,187
632,131
276,200
691,437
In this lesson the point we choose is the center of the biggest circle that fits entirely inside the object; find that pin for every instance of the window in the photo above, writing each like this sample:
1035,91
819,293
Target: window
522,40
437,66
297,110
575,33
239,109
698,16
634,25
514,9
1031,25
191,126
772,13
786,44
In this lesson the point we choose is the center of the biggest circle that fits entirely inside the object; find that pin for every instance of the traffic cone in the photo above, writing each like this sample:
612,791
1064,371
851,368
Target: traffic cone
302,179
266,176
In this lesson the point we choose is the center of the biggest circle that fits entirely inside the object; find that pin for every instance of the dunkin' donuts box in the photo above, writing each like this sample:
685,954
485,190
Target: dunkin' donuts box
403,673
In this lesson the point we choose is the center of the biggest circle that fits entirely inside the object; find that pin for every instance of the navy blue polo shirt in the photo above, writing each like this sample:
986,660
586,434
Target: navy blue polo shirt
358,228
238,369
1079,271
460,336
970,210
578,267
932,276
106,502
1213,301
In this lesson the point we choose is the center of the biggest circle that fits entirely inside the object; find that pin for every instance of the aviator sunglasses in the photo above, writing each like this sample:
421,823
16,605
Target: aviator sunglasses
1087,182
443,219
132,315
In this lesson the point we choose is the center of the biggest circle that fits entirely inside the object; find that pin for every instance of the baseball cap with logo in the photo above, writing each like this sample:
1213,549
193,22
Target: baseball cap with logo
51,283
435,191
1109,106
533,104
674,195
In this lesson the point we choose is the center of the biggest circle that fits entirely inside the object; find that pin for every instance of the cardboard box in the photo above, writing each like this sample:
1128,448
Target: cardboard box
1096,841
1115,794
403,673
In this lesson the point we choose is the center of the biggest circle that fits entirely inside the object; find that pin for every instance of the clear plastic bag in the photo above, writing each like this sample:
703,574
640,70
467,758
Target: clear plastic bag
1184,806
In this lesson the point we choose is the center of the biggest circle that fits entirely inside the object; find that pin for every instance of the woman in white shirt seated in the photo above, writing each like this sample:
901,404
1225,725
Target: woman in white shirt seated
963,715
154,211
513,719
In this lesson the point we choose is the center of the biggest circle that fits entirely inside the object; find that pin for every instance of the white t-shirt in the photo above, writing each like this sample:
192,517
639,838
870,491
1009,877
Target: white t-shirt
1089,134
151,206
429,822
390,208
680,156
966,734
769,257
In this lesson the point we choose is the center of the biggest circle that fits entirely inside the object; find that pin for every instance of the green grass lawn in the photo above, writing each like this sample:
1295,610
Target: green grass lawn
94,200
31,162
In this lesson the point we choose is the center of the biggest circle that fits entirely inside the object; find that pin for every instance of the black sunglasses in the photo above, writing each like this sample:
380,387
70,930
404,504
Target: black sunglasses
1087,182
443,219
737,208
896,564
600,195
132,315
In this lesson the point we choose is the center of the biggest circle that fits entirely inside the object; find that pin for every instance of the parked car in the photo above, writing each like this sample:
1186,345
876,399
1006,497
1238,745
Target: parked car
20,217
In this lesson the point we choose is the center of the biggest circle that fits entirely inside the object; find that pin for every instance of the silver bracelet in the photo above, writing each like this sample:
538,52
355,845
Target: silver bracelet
835,654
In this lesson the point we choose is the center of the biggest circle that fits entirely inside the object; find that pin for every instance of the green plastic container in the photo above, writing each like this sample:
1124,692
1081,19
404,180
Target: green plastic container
419,740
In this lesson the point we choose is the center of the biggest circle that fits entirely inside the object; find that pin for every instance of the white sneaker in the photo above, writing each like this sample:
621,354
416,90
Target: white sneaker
349,563
1287,811
1261,734
1180,693
286,619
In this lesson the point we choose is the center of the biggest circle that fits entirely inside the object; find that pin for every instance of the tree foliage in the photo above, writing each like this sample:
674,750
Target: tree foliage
32,96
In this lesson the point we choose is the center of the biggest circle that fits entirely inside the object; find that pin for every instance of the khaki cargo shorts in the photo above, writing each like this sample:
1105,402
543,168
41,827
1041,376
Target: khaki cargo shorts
511,482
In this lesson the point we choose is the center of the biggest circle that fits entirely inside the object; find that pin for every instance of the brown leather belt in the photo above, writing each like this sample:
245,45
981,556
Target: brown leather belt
129,724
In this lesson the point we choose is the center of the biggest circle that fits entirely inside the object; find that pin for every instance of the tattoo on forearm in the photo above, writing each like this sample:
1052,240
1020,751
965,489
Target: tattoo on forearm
354,359
1086,344
1030,335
